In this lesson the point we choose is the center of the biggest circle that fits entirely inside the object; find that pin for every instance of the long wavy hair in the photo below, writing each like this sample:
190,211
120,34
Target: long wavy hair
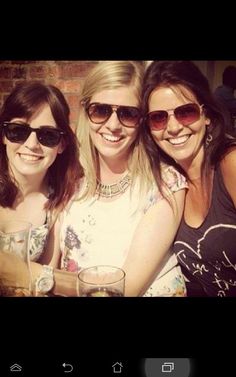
112,75
186,74
63,175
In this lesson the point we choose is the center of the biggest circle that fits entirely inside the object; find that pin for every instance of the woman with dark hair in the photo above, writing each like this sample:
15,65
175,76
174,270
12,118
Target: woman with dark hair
184,126
39,168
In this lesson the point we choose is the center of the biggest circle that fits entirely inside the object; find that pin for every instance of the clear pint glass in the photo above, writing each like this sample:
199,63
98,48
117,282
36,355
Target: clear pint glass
101,281
14,240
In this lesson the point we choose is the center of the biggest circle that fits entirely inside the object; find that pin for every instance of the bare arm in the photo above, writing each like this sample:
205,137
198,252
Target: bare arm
151,243
14,273
65,282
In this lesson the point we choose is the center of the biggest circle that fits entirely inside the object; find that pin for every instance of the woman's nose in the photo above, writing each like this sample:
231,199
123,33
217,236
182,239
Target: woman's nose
113,122
32,141
173,125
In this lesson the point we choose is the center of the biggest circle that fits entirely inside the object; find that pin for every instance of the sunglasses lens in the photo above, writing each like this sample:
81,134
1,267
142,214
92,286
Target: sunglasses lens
48,137
16,133
99,113
19,133
187,114
128,116
157,120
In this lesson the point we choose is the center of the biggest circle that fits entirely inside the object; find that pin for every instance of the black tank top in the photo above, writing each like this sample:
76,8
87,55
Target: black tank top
207,254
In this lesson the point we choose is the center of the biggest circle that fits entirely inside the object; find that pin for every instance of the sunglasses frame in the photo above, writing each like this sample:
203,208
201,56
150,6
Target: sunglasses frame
115,108
5,127
170,112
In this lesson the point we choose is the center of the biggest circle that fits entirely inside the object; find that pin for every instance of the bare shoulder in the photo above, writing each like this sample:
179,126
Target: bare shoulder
228,169
228,163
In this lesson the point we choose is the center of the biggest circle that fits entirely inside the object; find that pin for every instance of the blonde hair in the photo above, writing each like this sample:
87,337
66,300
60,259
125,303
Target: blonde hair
112,75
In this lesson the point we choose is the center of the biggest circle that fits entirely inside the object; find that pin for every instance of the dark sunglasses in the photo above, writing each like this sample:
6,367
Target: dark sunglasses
185,114
19,133
98,113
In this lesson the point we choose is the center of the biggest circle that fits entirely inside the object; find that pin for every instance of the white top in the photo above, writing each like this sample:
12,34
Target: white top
95,232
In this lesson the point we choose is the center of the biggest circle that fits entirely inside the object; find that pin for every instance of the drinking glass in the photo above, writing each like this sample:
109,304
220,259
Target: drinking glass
14,240
101,281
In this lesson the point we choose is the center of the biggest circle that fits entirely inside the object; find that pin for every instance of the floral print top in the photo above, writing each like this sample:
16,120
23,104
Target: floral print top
95,232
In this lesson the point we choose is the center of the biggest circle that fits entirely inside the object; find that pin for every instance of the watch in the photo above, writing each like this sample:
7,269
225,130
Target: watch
45,281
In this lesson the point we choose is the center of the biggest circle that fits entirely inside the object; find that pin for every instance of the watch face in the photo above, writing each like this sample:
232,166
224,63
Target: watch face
45,284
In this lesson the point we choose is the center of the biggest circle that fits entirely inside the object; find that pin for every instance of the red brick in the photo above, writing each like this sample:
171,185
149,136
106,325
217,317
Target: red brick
16,82
68,76
19,73
5,72
74,70
53,71
23,62
6,86
72,86
74,114
38,72
60,84
73,100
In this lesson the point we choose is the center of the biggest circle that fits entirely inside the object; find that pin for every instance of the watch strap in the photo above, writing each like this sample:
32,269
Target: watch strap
46,273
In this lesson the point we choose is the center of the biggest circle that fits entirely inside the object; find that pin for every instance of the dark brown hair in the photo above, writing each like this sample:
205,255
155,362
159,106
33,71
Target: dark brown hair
63,175
188,75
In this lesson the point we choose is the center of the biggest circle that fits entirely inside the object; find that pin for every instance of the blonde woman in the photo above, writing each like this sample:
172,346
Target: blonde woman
119,217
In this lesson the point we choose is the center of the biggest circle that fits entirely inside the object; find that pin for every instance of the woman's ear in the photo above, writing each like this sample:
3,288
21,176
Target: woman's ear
208,122
62,146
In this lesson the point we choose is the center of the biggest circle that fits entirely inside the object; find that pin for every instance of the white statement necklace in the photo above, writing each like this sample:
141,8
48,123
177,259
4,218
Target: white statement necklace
108,191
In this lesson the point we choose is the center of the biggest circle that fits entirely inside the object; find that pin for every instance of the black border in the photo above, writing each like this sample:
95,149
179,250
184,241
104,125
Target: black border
180,326
130,327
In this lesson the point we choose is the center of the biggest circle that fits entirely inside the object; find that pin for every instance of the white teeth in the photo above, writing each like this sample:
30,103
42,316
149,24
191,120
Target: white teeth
179,140
29,157
111,137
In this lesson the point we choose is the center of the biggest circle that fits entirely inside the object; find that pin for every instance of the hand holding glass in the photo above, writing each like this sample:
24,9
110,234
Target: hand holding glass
101,281
14,240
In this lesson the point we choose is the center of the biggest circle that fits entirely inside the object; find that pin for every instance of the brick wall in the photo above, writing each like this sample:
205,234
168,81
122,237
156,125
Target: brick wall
68,76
